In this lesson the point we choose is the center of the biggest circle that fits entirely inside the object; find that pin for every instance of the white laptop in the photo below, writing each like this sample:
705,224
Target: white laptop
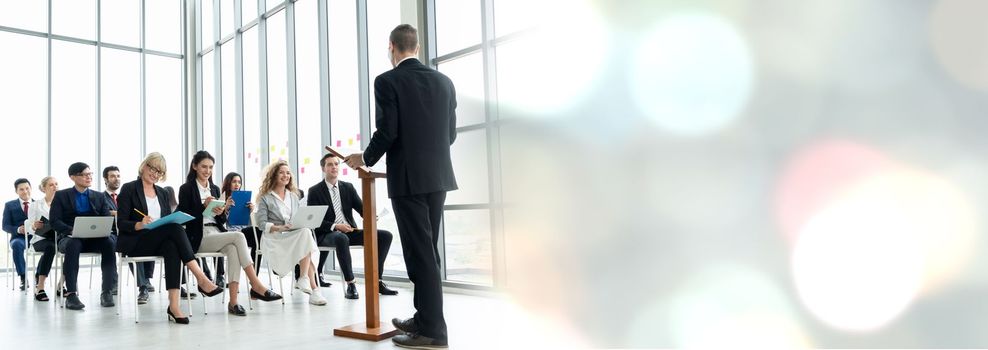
92,226
309,216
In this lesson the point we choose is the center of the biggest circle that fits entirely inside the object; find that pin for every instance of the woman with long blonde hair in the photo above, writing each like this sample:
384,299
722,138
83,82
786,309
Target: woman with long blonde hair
283,245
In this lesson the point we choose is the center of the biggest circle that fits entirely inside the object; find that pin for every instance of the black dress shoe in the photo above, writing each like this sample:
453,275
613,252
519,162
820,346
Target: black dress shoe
416,341
216,291
237,310
323,283
114,291
179,320
407,325
23,285
183,294
220,281
351,291
72,302
384,290
150,289
142,297
267,296
106,299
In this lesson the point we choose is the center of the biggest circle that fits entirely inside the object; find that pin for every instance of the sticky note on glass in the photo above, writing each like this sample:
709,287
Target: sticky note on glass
358,137
307,160
272,148
344,171
349,142
282,151
339,143
301,170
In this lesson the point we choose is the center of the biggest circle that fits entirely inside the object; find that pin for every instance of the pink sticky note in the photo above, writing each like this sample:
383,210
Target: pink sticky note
248,155
301,170
339,143
358,137
257,160
344,171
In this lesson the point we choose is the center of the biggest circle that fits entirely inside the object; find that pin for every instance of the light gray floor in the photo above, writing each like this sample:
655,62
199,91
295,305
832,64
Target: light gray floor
296,325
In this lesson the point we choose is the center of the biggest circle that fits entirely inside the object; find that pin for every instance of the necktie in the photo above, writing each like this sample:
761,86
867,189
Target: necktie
337,206
25,208
114,197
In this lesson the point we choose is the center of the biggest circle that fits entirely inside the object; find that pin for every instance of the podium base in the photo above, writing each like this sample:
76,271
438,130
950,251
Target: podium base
360,331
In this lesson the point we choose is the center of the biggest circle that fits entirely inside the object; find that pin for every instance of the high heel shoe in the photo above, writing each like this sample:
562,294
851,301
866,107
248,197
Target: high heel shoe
179,320
216,291
267,296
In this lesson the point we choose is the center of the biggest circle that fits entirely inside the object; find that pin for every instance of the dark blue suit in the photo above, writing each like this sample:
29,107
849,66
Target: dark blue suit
13,217
63,214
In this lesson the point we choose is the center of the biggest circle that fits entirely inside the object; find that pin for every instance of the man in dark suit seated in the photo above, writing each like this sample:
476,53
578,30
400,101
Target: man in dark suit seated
14,215
67,205
338,228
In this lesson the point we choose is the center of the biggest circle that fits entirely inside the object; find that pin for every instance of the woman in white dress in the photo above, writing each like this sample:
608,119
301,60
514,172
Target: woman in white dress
283,245
42,238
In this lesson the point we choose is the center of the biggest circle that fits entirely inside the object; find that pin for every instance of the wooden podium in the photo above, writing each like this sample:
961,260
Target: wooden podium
373,329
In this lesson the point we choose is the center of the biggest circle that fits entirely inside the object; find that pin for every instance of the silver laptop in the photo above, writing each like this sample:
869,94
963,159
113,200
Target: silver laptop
309,216
92,226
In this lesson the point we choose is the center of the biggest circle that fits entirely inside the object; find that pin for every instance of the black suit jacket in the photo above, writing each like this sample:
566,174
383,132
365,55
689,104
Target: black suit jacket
132,197
62,213
416,124
190,202
349,200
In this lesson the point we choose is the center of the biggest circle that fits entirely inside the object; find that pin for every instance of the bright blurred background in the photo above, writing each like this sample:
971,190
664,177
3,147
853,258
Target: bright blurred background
640,173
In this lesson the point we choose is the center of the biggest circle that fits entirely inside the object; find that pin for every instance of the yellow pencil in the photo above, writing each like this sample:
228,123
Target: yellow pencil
139,212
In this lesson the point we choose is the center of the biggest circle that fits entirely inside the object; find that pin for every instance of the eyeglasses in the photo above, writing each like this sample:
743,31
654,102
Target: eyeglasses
90,175
155,171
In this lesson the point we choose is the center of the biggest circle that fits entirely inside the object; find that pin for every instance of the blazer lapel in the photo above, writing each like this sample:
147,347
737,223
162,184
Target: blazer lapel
141,198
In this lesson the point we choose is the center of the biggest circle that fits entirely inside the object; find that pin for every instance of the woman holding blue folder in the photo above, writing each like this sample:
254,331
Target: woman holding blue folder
139,203
232,183
208,234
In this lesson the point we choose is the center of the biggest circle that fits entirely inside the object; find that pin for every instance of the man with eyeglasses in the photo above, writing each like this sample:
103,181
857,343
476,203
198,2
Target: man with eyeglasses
67,205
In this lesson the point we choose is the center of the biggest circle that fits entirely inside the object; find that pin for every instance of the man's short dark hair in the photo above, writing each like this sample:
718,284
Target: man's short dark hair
405,38
107,170
77,168
322,162
20,181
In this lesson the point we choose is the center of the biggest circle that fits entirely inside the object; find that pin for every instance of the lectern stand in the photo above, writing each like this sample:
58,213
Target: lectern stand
373,329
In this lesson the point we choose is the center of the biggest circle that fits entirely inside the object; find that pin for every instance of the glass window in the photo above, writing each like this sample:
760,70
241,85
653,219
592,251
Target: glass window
517,15
73,114
248,11
272,4
120,113
164,114
227,24
343,74
27,102
206,38
231,158
163,31
252,119
467,236
467,74
457,25
209,103
277,88
30,15
469,154
120,22
307,80
75,18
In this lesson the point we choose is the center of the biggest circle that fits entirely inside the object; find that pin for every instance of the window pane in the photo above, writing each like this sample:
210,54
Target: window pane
120,96
30,15
457,24
75,18
206,31
121,22
343,74
277,88
467,74
272,4
252,120
164,114
209,103
248,11
73,111
164,26
516,15
27,101
467,236
231,158
227,24
307,79
469,154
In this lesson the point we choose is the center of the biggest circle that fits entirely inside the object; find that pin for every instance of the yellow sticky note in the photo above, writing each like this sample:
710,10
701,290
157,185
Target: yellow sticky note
272,148
307,161
282,151
349,142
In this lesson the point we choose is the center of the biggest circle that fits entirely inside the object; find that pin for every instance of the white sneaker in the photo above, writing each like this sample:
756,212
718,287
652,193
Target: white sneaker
316,298
303,284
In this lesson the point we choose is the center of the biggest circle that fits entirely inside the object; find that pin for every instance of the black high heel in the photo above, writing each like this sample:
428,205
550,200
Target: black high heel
216,291
179,320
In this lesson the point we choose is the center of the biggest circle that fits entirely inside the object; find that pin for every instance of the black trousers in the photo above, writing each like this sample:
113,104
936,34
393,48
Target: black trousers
343,241
419,218
47,249
170,242
72,247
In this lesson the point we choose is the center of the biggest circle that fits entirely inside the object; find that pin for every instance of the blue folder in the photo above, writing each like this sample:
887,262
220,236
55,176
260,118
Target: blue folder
240,214
173,218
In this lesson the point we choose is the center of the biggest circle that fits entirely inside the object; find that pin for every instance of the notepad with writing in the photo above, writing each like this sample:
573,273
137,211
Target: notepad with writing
173,218
240,213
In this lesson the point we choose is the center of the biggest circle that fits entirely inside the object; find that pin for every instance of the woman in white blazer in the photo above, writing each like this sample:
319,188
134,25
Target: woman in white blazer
42,238
283,245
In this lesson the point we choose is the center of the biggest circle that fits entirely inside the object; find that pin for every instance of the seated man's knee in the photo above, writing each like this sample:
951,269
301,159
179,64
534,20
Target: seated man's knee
17,244
384,236
340,240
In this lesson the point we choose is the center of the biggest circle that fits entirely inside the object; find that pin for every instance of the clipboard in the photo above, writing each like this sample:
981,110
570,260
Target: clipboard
173,218
240,213
208,212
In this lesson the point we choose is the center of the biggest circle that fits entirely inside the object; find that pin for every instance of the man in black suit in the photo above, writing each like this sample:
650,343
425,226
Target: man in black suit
68,204
416,124
338,228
